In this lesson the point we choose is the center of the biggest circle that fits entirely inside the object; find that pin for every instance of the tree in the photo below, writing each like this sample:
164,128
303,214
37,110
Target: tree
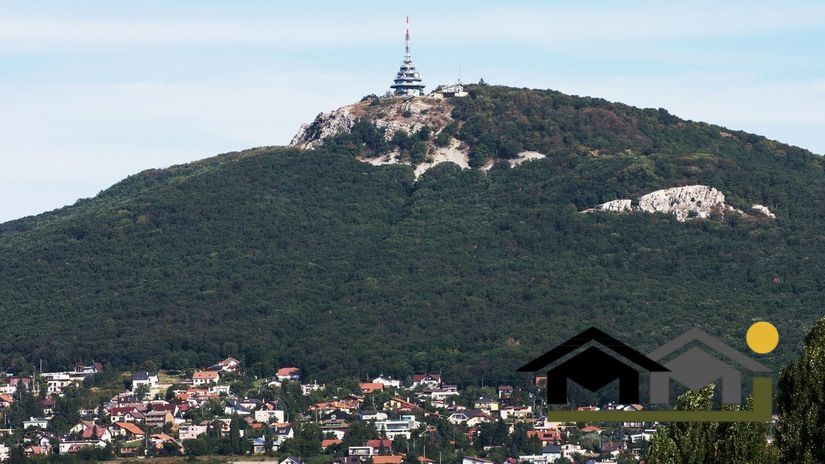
709,442
235,435
626,458
800,432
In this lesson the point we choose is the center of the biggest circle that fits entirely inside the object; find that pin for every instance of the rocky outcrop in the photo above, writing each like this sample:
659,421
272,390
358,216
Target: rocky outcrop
763,210
400,114
324,126
406,114
688,202
525,156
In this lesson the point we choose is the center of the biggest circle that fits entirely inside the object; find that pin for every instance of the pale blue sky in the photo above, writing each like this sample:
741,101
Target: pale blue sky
92,91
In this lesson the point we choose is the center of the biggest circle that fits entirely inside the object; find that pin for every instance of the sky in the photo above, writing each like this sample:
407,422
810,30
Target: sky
93,91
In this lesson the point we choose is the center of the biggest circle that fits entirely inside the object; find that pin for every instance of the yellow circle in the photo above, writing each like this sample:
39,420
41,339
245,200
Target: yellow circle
762,337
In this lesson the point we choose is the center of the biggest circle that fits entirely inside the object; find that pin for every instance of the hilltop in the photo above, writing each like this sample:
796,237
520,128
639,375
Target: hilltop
316,258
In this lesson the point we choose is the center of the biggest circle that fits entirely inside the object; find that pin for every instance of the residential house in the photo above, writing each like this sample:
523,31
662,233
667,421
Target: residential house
191,432
387,381
127,430
399,405
288,373
552,452
307,389
270,415
259,445
475,460
546,437
362,452
74,446
200,378
281,433
373,415
370,387
48,405
328,442
486,404
570,449
5,400
158,418
56,382
291,460
516,412
380,446
391,459
505,392
173,409
439,395
395,428
536,459
250,403
144,378
470,417
19,382
159,440
426,380
234,407
229,364
86,369
36,423
126,414
219,390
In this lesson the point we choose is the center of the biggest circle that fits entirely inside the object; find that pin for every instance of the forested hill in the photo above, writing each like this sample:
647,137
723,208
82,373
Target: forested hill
313,258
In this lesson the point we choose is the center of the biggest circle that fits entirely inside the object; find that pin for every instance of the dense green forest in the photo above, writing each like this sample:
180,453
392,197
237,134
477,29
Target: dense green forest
280,256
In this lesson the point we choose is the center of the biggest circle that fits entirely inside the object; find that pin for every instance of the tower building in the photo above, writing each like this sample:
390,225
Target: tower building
407,80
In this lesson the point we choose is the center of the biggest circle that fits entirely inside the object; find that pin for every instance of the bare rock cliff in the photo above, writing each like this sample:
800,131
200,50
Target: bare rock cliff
688,202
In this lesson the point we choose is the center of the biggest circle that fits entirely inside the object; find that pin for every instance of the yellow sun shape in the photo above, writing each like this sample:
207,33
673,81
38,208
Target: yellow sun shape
762,337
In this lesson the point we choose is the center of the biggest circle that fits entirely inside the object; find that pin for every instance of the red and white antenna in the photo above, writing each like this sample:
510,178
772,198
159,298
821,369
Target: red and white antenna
407,40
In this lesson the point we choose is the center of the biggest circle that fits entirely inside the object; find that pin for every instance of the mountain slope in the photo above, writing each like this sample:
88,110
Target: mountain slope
312,257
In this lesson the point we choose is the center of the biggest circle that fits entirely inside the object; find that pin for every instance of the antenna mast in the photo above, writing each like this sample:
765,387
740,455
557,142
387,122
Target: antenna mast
407,40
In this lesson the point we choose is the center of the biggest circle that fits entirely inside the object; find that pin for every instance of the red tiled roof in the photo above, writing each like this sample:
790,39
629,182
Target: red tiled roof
129,427
379,443
397,459
285,371
326,443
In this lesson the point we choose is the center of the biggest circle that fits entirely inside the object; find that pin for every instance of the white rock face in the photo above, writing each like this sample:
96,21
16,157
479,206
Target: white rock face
763,211
615,206
689,202
525,156
324,126
394,115
684,202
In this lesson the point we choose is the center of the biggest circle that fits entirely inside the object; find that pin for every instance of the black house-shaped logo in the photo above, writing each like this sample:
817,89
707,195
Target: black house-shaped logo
593,368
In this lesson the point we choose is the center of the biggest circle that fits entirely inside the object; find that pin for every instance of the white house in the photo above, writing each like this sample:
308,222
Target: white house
73,446
387,381
475,460
270,415
205,377
190,432
36,423
149,379
426,380
400,427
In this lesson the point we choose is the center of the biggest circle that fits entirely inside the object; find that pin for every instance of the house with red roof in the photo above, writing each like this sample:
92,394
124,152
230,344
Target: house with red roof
288,373
205,377
127,430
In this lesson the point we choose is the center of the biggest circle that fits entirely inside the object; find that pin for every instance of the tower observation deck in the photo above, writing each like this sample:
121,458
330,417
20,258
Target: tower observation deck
407,81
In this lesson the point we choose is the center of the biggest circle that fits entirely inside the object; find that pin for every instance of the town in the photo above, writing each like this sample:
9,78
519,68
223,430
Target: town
92,413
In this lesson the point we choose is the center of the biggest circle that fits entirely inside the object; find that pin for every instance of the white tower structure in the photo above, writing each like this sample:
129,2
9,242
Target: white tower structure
407,81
